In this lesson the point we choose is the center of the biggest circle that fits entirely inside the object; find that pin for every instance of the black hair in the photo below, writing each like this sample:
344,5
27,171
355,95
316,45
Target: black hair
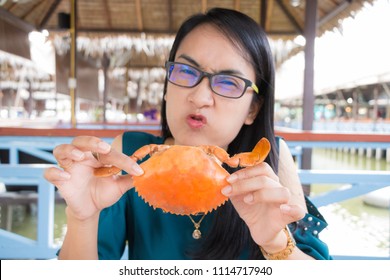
229,237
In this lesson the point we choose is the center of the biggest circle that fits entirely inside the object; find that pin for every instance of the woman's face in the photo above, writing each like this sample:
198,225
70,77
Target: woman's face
197,116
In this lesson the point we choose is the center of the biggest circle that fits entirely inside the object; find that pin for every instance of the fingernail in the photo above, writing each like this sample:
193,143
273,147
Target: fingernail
248,198
232,178
285,208
226,190
104,147
137,170
78,154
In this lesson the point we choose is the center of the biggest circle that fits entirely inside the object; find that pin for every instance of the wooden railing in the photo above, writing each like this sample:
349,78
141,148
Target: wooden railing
39,143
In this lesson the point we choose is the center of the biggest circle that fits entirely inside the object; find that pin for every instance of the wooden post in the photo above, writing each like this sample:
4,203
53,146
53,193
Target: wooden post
308,86
375,108
72,83
387,91
106,65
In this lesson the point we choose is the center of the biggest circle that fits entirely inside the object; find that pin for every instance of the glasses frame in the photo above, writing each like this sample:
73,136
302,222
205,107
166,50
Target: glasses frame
203,74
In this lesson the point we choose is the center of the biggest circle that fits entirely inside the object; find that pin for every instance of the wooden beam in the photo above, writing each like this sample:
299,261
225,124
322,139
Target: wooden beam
263,13
237,5
304,136
138,10
170,17
267,7
154,31
108,14
15,21
333,13
204,6
292,19
270,8
30,11
49,13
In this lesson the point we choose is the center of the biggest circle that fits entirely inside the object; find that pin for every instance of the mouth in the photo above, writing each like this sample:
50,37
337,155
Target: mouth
196,121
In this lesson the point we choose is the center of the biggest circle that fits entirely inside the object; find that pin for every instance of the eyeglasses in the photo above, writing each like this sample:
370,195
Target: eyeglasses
225,85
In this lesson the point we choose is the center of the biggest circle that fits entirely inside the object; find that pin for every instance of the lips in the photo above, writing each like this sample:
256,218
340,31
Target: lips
196,121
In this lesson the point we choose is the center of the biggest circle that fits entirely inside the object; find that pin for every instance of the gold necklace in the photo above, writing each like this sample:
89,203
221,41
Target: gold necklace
196,234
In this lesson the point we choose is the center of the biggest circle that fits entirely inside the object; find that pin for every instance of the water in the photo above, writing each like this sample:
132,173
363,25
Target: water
354,227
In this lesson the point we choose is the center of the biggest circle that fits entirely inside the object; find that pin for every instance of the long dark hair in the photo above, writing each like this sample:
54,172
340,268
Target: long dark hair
229,237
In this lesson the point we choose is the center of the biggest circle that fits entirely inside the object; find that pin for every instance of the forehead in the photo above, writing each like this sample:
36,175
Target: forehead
208,45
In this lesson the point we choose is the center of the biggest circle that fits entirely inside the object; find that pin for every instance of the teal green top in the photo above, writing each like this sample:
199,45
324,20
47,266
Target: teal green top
152,234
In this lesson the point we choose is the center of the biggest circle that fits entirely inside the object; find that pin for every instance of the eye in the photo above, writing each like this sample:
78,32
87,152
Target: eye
187,70
225,81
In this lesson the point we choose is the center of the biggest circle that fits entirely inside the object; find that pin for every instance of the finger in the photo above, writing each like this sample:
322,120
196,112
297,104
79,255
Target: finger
253,171
248,185
268,195
91,143
122,161
67,153
54,175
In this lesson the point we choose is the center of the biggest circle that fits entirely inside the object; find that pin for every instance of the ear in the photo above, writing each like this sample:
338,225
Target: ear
253,111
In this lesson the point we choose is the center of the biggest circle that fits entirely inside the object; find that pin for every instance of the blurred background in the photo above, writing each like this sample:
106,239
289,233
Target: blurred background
72,67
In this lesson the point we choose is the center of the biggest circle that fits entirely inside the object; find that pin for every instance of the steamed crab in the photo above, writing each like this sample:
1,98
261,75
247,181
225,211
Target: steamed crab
187,180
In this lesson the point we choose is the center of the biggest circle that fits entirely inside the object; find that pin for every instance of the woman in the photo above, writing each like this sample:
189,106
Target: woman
219,91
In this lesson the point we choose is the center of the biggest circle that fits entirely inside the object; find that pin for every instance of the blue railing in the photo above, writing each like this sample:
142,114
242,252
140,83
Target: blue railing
13,173
14,246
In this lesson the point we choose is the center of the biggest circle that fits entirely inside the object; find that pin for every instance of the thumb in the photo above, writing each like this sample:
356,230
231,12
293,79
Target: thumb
125,182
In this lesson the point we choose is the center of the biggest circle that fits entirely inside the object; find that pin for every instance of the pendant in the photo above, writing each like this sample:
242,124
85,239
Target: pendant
196,234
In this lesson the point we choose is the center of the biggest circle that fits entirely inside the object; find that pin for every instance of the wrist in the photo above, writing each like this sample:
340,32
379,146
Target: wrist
277,244
275,251
73,218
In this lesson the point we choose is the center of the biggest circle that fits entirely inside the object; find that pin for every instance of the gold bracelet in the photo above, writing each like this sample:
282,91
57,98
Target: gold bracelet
282,255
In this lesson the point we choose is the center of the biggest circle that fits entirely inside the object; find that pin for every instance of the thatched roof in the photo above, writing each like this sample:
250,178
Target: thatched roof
281,19
137,34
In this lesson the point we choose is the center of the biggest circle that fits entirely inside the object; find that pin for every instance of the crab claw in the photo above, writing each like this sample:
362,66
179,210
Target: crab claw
258,154
139,154
106,171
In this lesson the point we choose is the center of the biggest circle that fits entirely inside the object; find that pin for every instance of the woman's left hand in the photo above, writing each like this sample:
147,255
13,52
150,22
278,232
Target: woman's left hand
262,202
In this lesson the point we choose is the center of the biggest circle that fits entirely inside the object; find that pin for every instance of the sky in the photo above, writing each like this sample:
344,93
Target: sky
359,54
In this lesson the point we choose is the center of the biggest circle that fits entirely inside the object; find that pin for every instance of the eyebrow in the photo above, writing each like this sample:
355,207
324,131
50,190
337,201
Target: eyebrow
192,61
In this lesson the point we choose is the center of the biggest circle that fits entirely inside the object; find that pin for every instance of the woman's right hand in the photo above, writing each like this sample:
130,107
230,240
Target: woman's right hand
85,194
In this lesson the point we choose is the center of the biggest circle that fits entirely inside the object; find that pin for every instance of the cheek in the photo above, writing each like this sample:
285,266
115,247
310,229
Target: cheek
173,103
169,107
239,112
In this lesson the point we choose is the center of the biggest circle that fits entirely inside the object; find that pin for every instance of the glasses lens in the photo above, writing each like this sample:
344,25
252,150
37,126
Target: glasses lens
228,86
183,75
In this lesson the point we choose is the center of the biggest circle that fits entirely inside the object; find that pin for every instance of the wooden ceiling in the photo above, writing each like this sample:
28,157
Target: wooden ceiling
280,18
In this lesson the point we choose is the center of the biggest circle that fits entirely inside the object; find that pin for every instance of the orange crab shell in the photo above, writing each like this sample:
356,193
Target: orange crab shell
182,180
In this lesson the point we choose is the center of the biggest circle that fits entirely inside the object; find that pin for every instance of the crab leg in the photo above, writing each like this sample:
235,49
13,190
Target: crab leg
139,154
216,151
258,154
148,150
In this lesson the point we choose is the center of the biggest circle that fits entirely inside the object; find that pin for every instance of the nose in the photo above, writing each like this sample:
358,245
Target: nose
202,95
